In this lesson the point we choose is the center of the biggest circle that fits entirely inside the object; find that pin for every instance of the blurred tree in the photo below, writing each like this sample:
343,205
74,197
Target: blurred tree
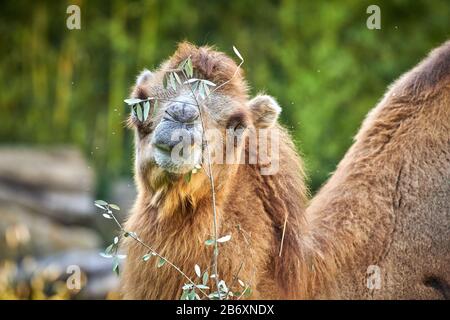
318,58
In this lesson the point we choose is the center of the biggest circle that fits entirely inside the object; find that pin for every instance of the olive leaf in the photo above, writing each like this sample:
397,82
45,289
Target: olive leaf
101,202
206,89
201,90
107,216
139,112
247,292
146,109
173,84
224,238
187,286
205,278
116,265
197,270
109,249
208,83
195,86
188,68
237,53
188,176
177,77
146,257
192,80
202,286
182,64
166,81
114,206
155,108
161,262
132,101
184,295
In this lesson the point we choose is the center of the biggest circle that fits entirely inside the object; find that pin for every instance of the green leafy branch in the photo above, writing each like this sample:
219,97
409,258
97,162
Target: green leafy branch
140,108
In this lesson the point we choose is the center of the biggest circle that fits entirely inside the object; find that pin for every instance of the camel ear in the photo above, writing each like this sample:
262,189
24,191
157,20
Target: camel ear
265,110
144,76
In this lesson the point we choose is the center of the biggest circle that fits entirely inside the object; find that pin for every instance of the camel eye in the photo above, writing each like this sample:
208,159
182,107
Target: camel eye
237,121
239,126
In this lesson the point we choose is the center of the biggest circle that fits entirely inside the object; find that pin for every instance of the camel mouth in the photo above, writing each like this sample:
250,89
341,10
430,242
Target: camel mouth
177,161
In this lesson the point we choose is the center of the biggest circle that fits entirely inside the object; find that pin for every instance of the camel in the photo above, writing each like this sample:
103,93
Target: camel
378,229
176,216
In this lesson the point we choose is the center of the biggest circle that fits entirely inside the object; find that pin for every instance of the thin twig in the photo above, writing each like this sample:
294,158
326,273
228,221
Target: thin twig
235,278
228,81
243,292
166,99
282,236
211,176
213,192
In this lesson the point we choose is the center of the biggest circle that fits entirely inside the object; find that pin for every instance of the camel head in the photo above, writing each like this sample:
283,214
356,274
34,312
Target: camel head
197,95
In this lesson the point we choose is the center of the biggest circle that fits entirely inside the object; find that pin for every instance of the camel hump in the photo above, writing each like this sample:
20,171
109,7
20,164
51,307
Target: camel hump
430,76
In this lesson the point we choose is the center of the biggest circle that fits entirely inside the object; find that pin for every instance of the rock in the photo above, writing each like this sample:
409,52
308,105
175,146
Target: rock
99,287
23,232
58,168
100,279
65,207
89,261
48,220
56,183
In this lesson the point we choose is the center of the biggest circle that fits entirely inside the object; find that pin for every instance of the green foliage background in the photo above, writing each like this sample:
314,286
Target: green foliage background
318,58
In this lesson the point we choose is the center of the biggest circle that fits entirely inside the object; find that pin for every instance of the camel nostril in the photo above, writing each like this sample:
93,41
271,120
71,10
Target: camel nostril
183,113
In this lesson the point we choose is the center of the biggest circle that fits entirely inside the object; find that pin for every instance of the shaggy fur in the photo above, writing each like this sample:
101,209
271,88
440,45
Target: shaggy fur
175,217
388,203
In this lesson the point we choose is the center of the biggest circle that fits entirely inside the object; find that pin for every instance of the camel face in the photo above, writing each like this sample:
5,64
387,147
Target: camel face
176,141
172,140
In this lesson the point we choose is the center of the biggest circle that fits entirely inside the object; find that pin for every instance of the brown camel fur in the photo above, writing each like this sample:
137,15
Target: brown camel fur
388,203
